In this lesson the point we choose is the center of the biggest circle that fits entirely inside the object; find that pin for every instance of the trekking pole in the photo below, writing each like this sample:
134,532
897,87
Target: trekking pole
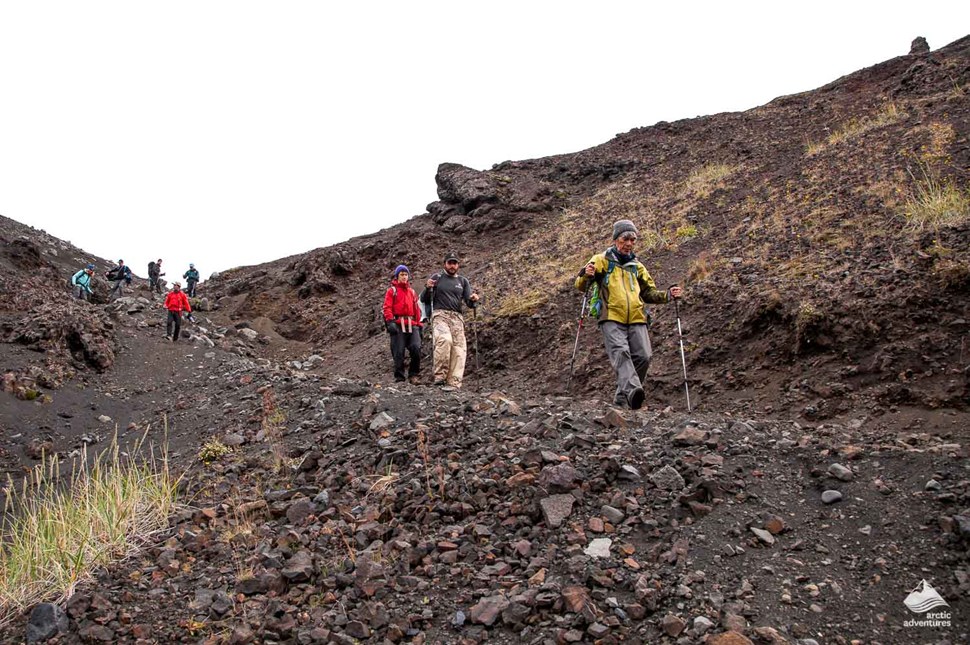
431,324
683,361
579,329
478,363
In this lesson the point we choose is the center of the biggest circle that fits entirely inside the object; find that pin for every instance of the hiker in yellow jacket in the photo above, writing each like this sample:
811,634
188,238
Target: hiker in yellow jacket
624,286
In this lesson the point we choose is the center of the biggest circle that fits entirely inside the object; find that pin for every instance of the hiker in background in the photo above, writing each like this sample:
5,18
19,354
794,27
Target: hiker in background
81,283
176,303
154,273
118,274
623,286
191,279
402,317
444,293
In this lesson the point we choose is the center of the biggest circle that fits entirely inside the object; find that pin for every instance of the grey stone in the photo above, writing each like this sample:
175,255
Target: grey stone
841,473
831,497
560,478
612,514
46,621
599,548
667,478
556,508
763,536
299,568
629,473
702,624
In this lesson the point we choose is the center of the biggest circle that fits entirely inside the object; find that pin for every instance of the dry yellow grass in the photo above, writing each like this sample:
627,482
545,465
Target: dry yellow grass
889,113
56,533
705,180
934,202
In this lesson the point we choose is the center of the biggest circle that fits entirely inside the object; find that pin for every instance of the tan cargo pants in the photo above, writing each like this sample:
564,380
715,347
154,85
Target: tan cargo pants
449,347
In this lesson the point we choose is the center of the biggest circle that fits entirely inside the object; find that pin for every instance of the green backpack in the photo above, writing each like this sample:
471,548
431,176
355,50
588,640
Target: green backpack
596,301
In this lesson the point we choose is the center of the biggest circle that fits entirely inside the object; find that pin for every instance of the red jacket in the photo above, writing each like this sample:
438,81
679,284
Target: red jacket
401,301
176,301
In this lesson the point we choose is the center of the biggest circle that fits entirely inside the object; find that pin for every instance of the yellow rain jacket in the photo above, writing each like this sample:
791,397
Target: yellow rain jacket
623,290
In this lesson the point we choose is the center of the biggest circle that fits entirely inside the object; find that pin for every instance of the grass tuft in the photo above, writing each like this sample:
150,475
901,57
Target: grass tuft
213,450
889,113
56,533
704,180
935,202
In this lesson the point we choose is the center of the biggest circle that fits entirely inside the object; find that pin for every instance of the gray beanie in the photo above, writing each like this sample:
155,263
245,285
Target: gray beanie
623,226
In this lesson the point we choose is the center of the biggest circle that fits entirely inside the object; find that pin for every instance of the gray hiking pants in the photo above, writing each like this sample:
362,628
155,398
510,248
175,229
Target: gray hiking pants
117,289
628,348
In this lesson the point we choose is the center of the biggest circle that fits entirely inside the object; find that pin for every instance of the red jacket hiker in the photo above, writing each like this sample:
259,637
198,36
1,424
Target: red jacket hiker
401,305
176,301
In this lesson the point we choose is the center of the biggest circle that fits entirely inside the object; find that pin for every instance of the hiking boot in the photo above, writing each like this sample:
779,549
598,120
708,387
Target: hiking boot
399,379
620,401
438,383
636,398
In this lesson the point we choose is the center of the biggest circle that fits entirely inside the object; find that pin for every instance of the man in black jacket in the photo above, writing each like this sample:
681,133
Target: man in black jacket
118,274
444,294
154,274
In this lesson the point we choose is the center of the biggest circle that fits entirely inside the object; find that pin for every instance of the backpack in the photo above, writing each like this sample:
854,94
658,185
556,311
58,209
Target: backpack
596,299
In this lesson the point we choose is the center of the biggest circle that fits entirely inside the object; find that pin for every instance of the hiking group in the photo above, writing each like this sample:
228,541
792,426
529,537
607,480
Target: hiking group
615,282
176,301
440,304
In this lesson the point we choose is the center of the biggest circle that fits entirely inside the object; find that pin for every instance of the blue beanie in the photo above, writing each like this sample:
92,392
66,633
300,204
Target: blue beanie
401,268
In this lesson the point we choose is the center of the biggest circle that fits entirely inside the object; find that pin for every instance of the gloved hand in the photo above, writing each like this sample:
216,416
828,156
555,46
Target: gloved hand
391,327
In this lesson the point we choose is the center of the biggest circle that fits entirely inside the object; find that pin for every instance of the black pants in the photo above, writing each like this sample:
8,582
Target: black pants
412,343
153,284
190,288
174,319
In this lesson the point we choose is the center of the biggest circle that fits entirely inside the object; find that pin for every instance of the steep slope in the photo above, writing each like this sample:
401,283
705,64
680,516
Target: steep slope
808,286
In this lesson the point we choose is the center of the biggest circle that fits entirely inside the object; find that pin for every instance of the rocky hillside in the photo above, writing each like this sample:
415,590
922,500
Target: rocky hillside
809,289
822,476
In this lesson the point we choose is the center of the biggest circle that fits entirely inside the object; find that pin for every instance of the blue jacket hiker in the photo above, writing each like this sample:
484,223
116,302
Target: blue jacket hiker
191,279
81,283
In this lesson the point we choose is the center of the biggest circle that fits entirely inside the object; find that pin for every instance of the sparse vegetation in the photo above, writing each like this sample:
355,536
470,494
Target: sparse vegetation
521,304
889,113
935,202
273,422
56,533
213,450
953,274
706,179
699,269
686,231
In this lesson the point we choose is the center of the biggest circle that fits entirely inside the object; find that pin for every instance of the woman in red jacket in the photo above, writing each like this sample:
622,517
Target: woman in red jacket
176,303
402,317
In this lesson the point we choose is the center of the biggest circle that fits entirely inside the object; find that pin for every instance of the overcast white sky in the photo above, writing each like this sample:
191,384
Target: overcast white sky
229,133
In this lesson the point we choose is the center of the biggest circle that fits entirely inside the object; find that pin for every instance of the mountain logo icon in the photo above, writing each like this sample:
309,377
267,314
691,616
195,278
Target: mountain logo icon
924,598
